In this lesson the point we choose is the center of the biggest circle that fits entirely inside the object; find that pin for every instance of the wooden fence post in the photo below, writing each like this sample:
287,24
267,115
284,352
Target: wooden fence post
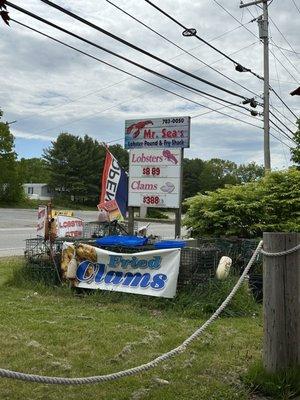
281,303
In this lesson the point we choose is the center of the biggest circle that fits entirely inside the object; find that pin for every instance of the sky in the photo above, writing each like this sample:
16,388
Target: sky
48,88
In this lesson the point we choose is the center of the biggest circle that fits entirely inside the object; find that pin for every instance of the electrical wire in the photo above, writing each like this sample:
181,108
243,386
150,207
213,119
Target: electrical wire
282,123
150,82
253,34
279,98
288,60
203,40
282,35
126,79
179,47
295,4
283,133
273,90
284,49
169,79
128,73
139,49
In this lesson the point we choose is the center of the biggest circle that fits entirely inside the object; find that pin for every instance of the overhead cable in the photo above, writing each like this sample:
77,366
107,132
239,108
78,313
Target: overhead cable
203,40
179,47
282,35
273,90
169,79
139,49
132,75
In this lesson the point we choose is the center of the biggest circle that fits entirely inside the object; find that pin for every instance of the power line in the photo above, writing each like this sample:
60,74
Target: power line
253,34
169,79
282,123
230,116
125,42
203,40
284,49
277,138
130,74
126,79
280,130
212,110
282,35
283,102
288,60
273,90
109,86
295,4
284,116
179,47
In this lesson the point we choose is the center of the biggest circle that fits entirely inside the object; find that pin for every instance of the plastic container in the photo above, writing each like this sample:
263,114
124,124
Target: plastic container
170,244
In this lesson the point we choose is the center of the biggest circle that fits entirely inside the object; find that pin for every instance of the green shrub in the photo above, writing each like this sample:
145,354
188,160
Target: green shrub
156,213
271,204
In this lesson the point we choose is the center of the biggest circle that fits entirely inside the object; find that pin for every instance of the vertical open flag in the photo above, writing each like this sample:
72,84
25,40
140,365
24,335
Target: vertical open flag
114,188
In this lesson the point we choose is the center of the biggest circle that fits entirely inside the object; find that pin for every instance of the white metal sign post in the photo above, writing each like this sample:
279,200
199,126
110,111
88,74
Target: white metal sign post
155,163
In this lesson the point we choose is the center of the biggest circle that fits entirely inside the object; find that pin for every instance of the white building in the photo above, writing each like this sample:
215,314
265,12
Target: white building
37,191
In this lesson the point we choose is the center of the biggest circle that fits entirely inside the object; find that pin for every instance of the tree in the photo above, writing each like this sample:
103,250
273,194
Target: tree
270,204
33,170
201,176
10,186
249,172
296,150
192,184
75,166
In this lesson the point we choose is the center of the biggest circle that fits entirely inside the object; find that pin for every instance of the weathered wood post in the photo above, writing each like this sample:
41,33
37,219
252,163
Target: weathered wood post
281,302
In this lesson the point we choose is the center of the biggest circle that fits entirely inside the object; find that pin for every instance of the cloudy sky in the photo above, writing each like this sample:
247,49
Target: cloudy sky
48,88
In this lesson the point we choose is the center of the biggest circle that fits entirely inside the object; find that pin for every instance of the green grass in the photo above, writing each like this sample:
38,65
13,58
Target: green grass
49,330
282,385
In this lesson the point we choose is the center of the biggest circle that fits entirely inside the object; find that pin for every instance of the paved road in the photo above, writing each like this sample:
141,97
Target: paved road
17,225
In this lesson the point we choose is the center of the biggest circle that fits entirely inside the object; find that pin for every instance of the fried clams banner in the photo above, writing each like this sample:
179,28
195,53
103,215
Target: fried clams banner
152,273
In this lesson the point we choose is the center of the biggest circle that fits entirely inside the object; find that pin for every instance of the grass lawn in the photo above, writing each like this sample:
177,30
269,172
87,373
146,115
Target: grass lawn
51,331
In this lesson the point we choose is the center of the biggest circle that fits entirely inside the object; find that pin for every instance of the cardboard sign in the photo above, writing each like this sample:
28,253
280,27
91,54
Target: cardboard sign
42,221
152,273
67,213
168,132
69,226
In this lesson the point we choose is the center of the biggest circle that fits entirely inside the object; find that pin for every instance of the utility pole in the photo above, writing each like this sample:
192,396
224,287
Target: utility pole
263,23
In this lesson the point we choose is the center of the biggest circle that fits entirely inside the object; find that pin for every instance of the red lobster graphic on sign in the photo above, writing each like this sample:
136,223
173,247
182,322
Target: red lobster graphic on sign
170,156
135,129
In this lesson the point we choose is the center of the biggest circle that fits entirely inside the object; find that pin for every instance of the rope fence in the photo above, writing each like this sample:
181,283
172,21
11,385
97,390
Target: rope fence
5,373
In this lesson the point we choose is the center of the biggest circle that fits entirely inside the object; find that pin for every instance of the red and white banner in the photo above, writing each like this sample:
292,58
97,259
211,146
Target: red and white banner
114,188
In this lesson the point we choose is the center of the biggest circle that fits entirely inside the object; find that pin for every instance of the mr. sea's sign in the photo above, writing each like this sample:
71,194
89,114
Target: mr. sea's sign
168,132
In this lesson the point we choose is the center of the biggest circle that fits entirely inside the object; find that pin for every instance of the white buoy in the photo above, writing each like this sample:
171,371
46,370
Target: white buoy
223,269
72,269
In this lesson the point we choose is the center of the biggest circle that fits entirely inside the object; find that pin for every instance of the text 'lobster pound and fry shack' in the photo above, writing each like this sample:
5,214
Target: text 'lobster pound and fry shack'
151,273
158,132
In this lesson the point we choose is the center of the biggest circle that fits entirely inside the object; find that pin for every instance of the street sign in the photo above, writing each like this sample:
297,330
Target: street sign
154,178
169,132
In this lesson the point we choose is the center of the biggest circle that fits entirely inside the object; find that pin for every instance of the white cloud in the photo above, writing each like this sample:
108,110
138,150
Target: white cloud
48,88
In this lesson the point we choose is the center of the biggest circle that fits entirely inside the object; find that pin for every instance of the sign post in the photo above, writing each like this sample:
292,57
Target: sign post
155,164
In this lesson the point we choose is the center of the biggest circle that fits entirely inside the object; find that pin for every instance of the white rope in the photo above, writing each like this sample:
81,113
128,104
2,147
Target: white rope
4,373
281,253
